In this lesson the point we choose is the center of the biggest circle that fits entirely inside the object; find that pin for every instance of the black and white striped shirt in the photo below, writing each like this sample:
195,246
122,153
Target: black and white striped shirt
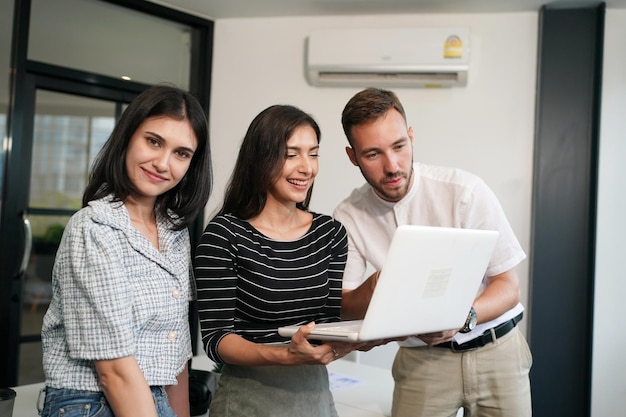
250,284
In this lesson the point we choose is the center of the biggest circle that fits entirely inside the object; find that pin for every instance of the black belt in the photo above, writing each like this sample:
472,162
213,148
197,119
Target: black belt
485,338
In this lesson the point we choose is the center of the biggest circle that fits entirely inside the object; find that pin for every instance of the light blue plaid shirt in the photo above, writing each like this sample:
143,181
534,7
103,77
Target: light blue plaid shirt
116,295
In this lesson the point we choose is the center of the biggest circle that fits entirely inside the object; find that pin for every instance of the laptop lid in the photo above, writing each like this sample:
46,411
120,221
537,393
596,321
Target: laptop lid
429,280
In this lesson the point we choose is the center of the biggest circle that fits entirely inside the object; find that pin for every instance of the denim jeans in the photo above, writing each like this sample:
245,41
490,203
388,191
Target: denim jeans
74,403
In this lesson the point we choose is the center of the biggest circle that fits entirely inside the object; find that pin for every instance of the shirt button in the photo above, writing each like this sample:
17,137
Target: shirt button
171,336
176,293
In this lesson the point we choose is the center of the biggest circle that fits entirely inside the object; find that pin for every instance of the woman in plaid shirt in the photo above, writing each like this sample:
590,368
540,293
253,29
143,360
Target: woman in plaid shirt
116,337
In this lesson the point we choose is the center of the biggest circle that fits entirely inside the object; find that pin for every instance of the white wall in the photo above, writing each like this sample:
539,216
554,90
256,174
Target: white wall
609,365
486,127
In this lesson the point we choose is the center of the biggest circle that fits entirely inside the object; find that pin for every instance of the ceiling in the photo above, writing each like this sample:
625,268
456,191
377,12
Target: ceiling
223,9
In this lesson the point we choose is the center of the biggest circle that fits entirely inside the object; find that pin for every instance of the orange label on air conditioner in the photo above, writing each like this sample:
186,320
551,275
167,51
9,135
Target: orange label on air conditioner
453,47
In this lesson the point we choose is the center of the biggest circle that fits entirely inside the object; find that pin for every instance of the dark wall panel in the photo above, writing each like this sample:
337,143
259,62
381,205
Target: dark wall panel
564,208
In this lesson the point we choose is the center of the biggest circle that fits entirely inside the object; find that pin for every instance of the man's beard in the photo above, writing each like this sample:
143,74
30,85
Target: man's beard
395,195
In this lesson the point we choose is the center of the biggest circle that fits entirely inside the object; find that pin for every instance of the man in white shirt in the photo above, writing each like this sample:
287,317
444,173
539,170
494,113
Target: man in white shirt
482,367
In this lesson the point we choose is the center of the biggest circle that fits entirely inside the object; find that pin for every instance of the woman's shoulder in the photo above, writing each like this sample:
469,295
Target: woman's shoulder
227,224
98,221
227,219
324,218
325,221
102,211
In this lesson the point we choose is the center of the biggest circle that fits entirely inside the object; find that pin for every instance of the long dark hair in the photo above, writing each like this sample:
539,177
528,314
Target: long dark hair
108,171
261,158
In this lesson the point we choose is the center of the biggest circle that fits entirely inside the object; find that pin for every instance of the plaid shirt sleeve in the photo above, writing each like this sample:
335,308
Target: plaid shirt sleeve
96,295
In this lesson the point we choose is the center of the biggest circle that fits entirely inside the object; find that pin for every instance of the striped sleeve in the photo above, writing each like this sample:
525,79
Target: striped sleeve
216,281
337,264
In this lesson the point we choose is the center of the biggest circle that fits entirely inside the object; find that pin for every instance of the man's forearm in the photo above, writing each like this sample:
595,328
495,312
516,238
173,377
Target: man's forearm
354,302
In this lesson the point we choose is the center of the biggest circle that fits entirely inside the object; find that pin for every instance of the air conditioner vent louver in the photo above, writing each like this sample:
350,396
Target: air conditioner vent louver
436,57
423,79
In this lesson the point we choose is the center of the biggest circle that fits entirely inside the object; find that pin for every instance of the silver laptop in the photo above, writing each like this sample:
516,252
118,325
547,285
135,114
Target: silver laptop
429,280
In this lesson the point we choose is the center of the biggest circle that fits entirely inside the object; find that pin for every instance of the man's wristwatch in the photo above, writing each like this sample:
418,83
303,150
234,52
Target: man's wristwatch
470,322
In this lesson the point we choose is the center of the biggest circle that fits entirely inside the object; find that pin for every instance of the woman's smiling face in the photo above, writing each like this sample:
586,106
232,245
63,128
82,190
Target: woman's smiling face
159,154
300,167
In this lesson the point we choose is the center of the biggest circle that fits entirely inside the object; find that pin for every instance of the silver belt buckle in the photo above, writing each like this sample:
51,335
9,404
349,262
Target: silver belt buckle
461,350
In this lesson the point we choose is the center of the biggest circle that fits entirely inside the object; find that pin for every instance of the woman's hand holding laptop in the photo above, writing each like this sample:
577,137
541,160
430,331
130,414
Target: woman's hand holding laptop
324,353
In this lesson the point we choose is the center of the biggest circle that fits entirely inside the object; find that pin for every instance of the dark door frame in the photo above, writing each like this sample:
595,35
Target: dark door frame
562,268
26,77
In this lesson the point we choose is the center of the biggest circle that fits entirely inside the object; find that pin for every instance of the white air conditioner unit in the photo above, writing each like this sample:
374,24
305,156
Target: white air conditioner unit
400,57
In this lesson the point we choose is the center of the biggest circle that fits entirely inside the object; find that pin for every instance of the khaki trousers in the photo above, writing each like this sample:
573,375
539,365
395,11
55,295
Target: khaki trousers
491,381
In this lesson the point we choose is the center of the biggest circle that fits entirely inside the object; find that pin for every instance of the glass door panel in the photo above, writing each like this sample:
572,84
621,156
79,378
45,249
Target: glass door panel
124,34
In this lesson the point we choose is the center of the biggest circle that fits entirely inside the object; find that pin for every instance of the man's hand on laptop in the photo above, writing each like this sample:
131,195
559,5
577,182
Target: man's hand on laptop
372,344
438,337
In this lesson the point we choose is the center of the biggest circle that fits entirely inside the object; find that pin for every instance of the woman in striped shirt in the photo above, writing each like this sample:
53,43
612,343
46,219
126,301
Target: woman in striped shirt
265,261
